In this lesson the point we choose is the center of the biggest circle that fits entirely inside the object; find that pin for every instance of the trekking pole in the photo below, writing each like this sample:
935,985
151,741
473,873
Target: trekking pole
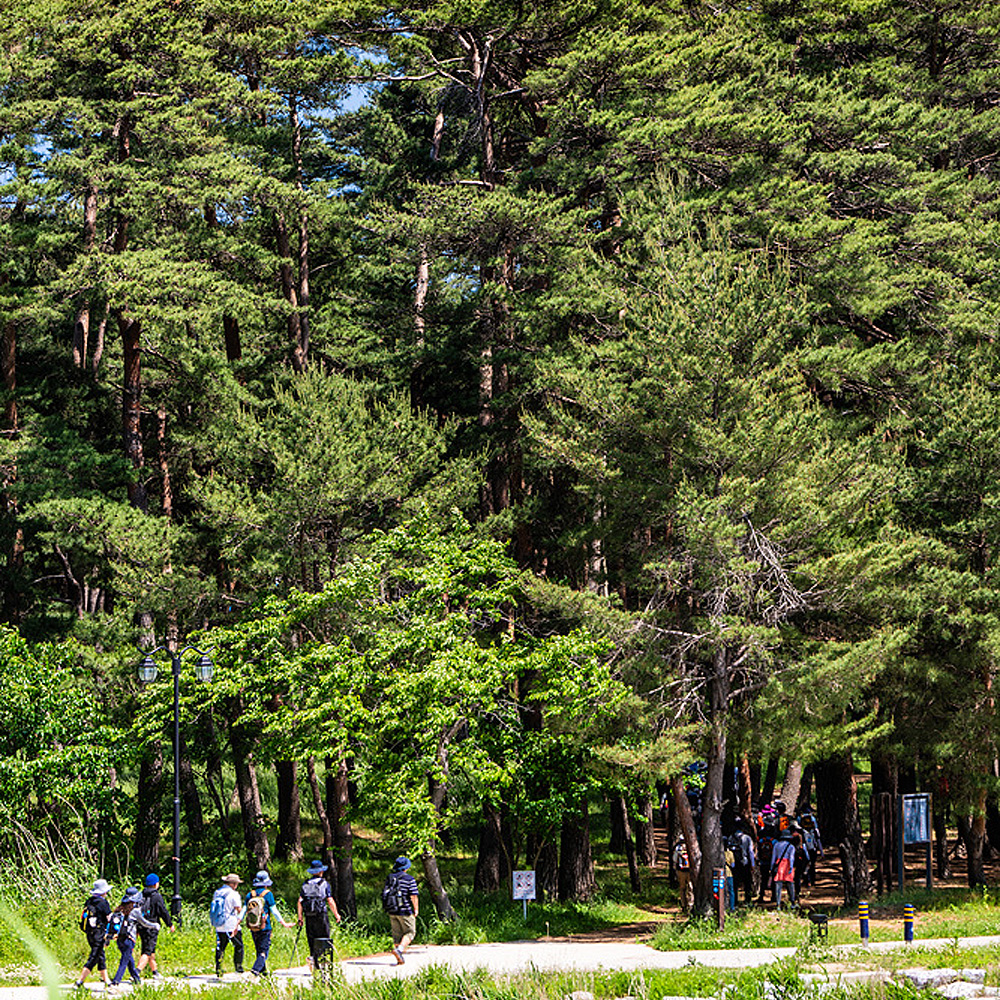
295,947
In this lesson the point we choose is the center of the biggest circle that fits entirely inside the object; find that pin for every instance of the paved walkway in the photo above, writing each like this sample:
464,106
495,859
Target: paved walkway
520,956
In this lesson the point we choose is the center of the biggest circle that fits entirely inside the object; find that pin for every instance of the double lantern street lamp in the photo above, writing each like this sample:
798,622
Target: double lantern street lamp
147,674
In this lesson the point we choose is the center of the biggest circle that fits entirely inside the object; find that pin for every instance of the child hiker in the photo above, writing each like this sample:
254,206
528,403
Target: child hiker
131,919
94,923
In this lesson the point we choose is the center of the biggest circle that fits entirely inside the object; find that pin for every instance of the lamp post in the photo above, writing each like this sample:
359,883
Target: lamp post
147,673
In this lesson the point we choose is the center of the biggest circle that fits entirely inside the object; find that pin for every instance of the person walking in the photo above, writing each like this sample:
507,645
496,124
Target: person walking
314,906
260,907
401,900
131,919
746,859
783,866
94,923
683,868
226,913
153,908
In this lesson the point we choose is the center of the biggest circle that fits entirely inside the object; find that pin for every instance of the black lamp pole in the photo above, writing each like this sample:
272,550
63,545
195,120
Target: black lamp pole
147,672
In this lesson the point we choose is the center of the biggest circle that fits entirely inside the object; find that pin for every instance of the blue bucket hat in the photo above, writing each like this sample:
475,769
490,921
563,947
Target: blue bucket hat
316,867
402,864
261,880
152,879
133,894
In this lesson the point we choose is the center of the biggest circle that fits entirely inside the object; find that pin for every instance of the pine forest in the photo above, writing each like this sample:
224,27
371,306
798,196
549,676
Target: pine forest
524,406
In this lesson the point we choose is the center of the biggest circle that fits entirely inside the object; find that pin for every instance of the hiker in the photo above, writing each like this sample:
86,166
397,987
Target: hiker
746,859
94,922
783,866
401,900
125,922
812,843
260,906
315,899
765,845
153,908
225,913
683,868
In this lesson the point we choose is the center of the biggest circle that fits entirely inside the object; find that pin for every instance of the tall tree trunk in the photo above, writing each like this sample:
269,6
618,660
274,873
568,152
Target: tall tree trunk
770,780
130,330
251,810
633,865
439,895
712,855
339,811
422,284
288,845
576,864
644,832
231,336
805,790
81,329
746,788
972,830
10,602
685,820
321,813
288,285
791,785
190,797
216,789
617,823
840,823
148,807
543,856
489,858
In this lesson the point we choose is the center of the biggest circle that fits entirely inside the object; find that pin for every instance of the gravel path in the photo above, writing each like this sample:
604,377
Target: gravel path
513,957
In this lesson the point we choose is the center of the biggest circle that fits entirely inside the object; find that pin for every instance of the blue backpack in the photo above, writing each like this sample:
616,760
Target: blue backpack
217,911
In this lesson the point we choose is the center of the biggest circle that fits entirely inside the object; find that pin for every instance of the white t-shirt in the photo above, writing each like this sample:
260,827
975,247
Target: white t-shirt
233,908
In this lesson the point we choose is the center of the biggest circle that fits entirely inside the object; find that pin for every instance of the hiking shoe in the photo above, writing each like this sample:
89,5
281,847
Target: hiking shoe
399,955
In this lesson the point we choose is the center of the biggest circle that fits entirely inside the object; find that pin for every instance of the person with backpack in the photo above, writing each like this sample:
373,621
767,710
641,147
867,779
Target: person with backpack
314,906
124,925
682,866
401,900
153,908
225,914
94,923
746,860
259,907
783,866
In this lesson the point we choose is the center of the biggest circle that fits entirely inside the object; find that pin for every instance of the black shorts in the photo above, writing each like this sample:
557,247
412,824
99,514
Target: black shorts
96,958
147,941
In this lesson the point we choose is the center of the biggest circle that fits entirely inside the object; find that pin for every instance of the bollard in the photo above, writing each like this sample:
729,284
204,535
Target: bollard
908,923
863,921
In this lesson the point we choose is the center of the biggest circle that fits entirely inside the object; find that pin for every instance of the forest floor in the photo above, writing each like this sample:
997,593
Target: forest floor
826,895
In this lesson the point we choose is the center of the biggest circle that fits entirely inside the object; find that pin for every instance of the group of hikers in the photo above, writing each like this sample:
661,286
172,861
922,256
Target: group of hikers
142,912
772,851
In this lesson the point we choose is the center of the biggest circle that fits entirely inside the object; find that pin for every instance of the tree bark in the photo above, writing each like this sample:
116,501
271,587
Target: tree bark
148,807
972,830
442,904
576,864
712,856
644,832
288,845
130,330
633,866
791,785
745,788
321,813
81,329
338,798
770,780
618,823
191,799
251,810
489,858
840,823
684,819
